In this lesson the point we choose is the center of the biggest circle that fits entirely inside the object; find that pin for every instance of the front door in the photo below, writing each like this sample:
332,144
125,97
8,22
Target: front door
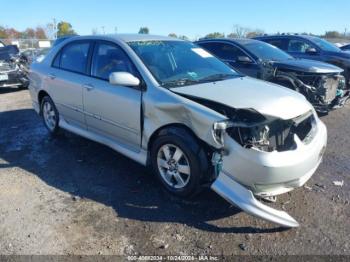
112,111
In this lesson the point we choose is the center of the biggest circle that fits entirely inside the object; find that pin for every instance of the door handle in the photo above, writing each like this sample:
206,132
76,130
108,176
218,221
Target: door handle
51,76
88,87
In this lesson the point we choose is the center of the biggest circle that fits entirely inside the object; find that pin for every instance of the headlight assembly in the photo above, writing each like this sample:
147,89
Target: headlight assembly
219,129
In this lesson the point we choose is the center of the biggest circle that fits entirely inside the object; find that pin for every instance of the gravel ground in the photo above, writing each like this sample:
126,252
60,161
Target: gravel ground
68,195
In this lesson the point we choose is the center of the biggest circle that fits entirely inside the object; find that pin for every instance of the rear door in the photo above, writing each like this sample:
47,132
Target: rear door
64,81
112,111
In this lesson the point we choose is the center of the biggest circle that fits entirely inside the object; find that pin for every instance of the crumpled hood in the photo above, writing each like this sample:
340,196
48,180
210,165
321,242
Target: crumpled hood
245,92
309,66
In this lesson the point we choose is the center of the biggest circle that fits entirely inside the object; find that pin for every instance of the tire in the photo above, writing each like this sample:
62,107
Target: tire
50,115
179,162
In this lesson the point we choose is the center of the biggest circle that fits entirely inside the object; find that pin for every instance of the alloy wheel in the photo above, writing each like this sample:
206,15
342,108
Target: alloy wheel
49,115
173,166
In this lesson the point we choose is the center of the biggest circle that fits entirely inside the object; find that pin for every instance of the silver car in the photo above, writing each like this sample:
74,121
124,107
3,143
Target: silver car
170,104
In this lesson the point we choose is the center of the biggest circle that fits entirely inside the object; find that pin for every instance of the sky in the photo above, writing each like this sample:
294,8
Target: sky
193,18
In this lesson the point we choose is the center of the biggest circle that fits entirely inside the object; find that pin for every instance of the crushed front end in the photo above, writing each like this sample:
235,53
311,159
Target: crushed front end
265,156
12,74
325,91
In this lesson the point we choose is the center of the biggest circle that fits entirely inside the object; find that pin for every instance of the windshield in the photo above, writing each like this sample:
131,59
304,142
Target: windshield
325,45
180,63
266,51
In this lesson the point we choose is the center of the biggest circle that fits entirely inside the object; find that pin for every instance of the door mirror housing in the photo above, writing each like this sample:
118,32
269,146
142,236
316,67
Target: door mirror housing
311,51
123,79
244,59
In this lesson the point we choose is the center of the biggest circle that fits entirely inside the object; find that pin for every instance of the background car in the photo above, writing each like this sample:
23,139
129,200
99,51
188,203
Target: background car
311,47
321,83
13,67
345,47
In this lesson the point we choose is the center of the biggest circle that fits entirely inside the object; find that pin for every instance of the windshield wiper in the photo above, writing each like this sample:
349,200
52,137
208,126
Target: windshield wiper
217,77
180,82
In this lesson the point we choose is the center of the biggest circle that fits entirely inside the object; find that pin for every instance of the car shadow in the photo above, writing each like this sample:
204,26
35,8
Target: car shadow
88,170
6,90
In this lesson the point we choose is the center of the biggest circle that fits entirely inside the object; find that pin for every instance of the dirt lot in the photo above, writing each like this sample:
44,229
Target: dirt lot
69,195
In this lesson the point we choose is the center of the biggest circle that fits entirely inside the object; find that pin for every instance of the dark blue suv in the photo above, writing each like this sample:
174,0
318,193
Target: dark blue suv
311,47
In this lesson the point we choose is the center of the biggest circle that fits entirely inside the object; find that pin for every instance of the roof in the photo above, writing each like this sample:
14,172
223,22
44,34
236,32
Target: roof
240,41
131,37
286,36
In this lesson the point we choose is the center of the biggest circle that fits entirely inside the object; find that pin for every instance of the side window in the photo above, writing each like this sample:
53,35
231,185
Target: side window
109,58
224,51
74,57
277,43
299,46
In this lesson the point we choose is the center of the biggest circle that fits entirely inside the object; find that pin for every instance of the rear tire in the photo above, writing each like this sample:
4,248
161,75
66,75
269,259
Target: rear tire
179,162
50,115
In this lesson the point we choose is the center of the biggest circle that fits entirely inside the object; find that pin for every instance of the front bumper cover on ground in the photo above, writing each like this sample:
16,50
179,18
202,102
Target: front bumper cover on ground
243,198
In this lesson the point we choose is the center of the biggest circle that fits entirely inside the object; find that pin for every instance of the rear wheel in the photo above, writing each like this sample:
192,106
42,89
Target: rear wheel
179,162
50,115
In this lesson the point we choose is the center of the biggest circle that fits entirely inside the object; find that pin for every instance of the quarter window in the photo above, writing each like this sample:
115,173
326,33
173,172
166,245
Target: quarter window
298,46
109,58
74,57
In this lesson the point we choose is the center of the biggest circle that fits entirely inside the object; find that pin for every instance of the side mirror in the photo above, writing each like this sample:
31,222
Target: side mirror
123,79
311,51
244,59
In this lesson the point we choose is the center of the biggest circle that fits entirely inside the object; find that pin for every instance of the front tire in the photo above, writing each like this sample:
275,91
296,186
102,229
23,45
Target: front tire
50,115
179,162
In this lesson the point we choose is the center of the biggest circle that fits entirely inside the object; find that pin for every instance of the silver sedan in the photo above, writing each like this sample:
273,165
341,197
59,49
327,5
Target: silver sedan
170,104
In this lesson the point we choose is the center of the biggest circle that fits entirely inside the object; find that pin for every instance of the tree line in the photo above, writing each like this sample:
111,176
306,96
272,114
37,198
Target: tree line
52,31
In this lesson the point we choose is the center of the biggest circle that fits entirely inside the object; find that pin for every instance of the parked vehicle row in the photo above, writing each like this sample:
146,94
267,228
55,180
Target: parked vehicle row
172,105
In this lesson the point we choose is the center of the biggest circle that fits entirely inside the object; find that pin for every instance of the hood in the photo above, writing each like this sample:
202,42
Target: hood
245,92
308,66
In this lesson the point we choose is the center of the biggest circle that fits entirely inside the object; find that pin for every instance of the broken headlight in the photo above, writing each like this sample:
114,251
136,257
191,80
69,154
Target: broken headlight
255,137
219,129
249,127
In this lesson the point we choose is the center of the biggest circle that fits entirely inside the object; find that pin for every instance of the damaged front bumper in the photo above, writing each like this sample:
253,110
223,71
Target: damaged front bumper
248,172
243,198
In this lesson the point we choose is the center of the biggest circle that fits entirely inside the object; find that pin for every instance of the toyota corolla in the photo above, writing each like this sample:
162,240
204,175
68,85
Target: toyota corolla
170,104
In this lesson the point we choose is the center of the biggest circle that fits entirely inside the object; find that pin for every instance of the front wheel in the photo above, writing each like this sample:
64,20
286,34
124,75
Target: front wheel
179,162
50,115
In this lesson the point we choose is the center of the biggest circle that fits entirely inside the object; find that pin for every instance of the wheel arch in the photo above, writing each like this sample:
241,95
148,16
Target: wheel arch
41,95
176,129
